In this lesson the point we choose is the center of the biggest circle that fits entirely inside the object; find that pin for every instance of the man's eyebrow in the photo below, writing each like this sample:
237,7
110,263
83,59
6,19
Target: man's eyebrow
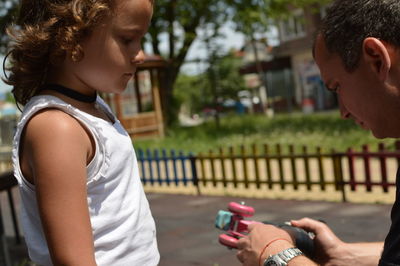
327,84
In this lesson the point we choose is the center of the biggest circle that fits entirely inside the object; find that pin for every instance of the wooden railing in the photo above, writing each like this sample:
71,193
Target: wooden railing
263,166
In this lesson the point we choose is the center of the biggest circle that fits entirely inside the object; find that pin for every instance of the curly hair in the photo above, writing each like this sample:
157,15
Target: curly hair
45,32
348,22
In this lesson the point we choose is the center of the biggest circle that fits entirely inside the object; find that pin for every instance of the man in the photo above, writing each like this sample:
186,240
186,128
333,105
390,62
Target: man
357,50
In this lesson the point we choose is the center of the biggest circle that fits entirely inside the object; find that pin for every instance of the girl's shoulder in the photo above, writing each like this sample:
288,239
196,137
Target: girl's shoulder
53,139
53,127
50,115
53,121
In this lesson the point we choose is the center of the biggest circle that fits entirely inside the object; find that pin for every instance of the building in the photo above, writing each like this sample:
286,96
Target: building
292,77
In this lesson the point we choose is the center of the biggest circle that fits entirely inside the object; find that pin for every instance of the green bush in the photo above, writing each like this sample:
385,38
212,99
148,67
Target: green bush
326,130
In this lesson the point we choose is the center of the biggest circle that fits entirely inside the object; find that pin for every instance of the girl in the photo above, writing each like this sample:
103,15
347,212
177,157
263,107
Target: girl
83,202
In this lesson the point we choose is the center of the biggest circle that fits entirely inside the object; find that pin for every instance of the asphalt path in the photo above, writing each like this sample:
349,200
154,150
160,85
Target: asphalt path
187,236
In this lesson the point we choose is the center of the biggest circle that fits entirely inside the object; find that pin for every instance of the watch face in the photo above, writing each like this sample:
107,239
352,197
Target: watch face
271,263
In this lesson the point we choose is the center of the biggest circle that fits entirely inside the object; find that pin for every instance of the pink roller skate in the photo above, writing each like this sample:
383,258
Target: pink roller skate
233,223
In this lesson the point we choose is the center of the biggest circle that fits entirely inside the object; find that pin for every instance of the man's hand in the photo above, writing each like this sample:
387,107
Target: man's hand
331,251
251,246
327,245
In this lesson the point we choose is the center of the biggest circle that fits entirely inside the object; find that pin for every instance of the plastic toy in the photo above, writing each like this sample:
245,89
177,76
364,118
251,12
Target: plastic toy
234,223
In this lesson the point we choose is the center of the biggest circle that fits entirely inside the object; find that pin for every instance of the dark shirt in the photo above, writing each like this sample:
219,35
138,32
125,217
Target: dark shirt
391,250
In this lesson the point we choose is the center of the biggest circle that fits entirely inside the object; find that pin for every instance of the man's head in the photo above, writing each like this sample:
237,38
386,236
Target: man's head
357,51
349,22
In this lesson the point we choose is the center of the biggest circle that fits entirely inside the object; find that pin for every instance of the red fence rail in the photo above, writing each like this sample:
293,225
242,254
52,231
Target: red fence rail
279,166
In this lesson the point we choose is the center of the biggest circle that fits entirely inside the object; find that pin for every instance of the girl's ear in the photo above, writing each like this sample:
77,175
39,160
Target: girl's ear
377,55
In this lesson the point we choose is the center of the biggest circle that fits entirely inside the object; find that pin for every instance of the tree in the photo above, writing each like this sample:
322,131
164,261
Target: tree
196,92
8,9
179,21
9,97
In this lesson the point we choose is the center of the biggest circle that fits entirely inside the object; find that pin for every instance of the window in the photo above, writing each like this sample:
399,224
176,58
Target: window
292,27
323,9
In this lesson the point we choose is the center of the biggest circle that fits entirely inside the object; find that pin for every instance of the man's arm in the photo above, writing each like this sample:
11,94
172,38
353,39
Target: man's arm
329,249
264,240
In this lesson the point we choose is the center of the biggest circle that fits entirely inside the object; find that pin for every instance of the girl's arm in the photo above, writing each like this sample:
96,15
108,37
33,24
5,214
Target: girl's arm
57,149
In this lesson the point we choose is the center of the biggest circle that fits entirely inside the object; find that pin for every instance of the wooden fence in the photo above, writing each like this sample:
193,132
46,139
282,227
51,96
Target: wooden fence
266,167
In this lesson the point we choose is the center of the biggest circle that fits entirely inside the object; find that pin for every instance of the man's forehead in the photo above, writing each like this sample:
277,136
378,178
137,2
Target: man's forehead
322,56
320,51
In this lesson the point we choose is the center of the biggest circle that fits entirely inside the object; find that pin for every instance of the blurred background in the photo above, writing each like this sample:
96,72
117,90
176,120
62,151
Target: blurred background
230,102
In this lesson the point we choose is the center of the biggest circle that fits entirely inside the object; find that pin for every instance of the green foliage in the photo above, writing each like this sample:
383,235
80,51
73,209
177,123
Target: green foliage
179,21
195,92
8,12
10,97
189,90
327,130
255,16
279,8
229,79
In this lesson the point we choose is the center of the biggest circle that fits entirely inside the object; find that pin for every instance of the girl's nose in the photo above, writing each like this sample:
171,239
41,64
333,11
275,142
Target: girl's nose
138,58
344,113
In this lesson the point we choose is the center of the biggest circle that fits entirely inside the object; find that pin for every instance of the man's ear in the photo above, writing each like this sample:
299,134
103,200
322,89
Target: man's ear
376,53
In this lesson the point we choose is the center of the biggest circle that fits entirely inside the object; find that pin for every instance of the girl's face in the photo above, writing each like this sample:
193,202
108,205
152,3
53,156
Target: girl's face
112,51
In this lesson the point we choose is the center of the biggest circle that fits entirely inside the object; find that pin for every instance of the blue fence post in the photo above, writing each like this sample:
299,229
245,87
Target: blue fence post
182,158
157,160
165,160
173,158
141,161
149,160
193,167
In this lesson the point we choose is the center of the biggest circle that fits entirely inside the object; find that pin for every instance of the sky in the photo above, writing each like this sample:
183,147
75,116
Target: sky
198,49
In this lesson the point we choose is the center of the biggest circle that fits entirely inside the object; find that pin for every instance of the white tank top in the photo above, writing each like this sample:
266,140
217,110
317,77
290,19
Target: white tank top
123,227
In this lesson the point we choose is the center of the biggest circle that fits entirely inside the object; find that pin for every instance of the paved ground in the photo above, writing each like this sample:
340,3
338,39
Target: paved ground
186,233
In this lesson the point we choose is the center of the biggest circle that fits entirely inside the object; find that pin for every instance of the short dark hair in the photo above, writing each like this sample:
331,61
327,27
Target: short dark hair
348,22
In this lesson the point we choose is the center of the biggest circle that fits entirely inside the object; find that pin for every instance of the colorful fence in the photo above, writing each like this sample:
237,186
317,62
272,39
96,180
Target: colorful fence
173,168
270,167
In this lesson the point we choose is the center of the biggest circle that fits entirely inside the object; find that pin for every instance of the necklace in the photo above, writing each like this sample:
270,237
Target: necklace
70,93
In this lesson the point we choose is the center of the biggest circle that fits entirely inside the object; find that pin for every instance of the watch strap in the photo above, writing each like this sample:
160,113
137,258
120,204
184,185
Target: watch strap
284,256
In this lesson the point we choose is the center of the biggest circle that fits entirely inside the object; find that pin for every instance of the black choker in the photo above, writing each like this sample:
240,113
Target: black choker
70,93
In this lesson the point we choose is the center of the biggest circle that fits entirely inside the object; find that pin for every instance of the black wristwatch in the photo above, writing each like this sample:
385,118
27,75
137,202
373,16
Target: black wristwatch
283,257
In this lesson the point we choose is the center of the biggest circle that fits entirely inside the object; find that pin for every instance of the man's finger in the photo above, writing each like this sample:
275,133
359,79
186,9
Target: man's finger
242,243
310,225
240,256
